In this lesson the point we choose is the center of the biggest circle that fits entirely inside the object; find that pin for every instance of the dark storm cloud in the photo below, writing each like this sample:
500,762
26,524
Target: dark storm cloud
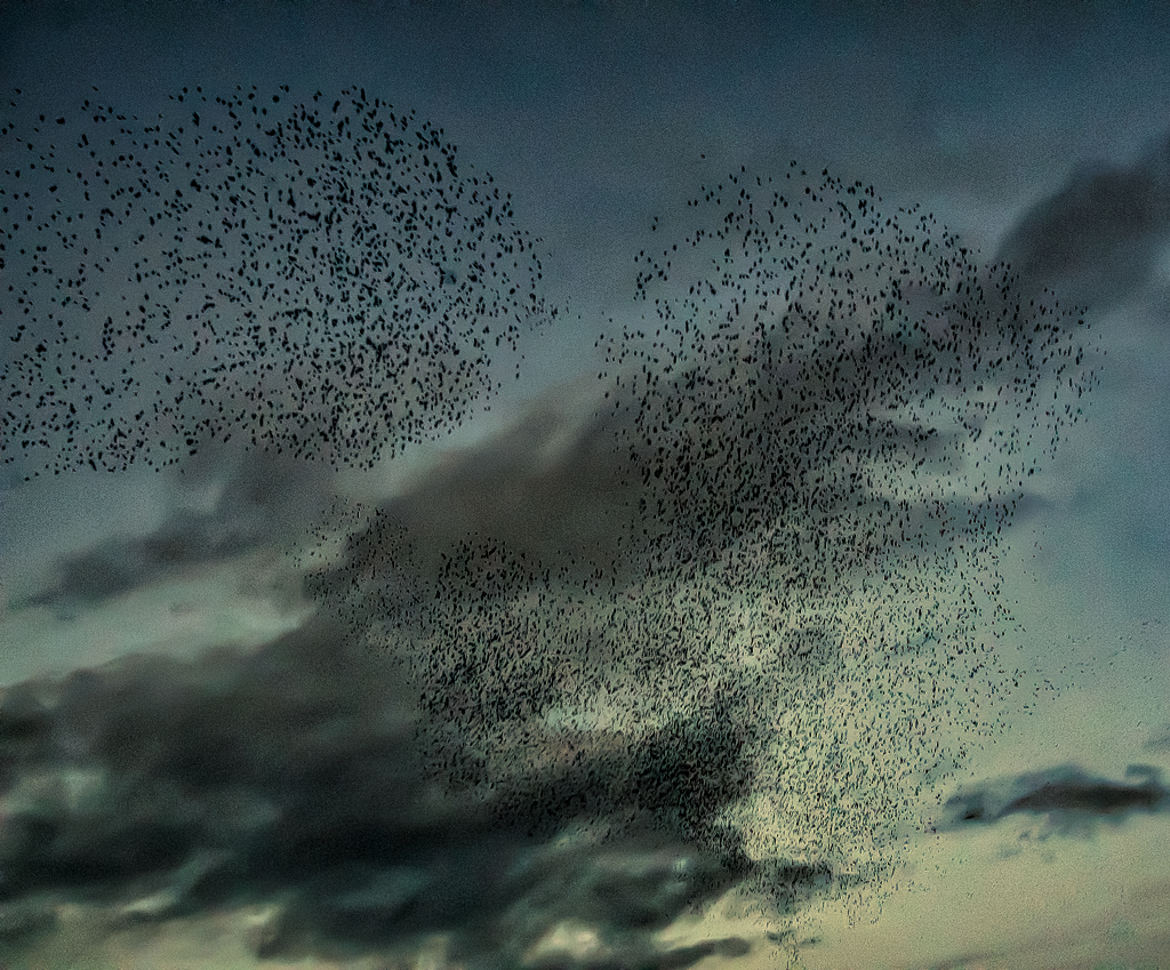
291,775
1067,796
1098,238
264,501
550,486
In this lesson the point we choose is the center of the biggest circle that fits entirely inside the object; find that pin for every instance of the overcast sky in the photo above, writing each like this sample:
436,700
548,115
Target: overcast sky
493,701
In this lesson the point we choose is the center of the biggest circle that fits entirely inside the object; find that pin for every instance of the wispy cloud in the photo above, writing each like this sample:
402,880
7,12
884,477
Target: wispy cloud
1069,798
1159,740
1097,239
262,501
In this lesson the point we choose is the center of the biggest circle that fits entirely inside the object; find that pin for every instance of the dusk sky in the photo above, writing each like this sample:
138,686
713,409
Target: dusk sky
603,485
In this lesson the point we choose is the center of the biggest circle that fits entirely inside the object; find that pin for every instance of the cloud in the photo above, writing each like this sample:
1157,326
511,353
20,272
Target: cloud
1069,798
1098,238
263,501
674,958
292,776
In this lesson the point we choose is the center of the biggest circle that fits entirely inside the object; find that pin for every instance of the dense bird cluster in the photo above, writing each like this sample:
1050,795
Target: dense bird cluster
321,279
782,519
750,601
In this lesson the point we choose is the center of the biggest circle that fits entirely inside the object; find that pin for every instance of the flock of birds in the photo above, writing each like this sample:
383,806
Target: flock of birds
319,278
783,514
781,517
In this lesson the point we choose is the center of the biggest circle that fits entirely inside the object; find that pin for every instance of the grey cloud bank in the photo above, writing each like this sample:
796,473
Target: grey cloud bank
160,789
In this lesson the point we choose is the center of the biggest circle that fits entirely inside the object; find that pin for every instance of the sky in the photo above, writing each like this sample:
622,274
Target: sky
768,567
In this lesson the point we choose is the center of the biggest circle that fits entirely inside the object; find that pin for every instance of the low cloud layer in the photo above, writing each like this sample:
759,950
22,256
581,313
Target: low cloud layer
291,776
